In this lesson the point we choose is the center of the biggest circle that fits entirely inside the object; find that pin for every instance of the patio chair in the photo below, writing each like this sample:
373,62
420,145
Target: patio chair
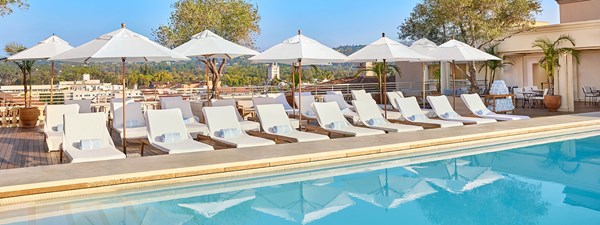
478,108
85,105
412,113
274,121
165,99
136,122
224,127
245,124
588,94
372,118
443,109
86,139
192,123
332,120
346,108
53,124
540,99
307,111
171,135
256,101
519,96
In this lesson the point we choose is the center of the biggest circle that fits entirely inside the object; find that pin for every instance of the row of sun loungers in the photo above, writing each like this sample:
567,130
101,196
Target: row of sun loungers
84,136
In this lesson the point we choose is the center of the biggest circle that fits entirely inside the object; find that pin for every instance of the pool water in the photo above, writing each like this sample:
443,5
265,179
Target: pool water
552,183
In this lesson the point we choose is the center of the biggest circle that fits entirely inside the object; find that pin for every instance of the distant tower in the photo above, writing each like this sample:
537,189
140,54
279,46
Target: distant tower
273,71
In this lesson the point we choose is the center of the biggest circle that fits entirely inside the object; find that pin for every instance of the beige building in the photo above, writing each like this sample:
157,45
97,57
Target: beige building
581,20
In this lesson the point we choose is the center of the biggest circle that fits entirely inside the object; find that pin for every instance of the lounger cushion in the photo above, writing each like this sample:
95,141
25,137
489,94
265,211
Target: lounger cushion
376,121
170,138
104,153
395,128
229,133
183,146
90,144
416,117
483,112
247,141
306,136
281,129
132,123
134,132
337,125
450,115
58,128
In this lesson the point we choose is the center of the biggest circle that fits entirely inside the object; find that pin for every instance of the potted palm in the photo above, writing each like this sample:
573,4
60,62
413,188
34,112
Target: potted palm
28,116
552,51
379,68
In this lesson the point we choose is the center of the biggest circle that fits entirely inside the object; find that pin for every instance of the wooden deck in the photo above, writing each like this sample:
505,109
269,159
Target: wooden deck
23,147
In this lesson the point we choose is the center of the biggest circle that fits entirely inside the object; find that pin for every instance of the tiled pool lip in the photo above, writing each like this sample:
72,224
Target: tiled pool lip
48,179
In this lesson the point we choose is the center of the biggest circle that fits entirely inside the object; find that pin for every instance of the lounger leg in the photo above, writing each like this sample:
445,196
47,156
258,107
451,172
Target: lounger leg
142,148
61,155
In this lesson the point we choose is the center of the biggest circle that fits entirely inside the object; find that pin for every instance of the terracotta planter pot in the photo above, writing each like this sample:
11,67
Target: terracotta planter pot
28,117
552,102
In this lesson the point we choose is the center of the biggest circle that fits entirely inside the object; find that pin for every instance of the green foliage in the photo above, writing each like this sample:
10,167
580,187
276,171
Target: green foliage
492,66
25,66
6,6
234,20
478,23
552,51
348,49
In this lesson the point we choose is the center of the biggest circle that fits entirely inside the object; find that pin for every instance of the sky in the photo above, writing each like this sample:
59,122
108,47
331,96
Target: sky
332,22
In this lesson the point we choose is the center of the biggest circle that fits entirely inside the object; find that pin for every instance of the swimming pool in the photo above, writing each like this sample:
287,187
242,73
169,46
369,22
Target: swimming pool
549,183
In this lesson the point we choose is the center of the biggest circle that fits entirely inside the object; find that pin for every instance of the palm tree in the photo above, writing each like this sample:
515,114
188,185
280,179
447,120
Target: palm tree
492,66
378,68
552,51
25,66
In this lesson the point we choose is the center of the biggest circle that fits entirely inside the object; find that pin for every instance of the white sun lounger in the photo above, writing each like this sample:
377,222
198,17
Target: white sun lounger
393,95
164,100
307,110
192,123
280,98
170,135
443,109
224,127
53,124
346,108
246,125
370,117
90,130
412,113
267,101
474,103
331,119
334,93
85,105
273,120
136,122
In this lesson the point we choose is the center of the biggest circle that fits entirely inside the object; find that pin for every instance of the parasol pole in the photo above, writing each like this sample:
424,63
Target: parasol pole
453,84
424,80
52,84
207,80
300,92
124,106
383,96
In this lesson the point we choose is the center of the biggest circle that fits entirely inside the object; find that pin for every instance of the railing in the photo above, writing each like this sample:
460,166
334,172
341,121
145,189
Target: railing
9,116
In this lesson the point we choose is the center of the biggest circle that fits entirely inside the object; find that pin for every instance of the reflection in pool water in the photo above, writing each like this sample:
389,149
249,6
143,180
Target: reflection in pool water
554,183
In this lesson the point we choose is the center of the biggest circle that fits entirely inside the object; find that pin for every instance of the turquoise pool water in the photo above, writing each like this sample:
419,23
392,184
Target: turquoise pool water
552,183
